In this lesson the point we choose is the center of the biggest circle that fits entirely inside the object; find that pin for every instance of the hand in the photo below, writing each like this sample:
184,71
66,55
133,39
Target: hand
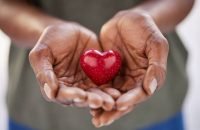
144,52
55,61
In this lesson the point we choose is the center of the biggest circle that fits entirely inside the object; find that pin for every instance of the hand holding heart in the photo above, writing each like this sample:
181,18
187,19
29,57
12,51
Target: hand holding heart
55,61
143,51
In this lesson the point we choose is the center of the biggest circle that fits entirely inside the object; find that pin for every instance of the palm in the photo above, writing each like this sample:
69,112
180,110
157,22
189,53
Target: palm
131,43
66,55
55,61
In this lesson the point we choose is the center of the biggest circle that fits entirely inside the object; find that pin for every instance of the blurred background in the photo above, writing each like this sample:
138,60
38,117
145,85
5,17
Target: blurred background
189,31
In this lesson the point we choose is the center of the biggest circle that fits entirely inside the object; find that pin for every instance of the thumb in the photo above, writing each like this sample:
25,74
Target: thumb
157,53
40,58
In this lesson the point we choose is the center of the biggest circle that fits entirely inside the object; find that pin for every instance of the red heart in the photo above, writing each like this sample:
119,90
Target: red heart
100,67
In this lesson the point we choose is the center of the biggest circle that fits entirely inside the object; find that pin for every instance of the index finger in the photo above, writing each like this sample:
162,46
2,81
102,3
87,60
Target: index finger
69,95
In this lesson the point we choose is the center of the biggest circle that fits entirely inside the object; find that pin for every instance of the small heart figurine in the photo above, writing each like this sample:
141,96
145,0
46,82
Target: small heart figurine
100,67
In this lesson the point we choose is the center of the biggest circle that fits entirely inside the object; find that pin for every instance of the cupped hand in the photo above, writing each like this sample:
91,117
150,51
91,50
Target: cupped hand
144,52
55,61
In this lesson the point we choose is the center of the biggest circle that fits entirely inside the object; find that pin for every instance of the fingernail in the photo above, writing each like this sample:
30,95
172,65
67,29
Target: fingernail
96,123
47,90
93,106
123,108
100,125
78,100
109,122
153,86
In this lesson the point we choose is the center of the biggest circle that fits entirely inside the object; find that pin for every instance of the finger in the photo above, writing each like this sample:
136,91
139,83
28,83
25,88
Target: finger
108,117
46,92
48,84
114,93
92,41
96,112
131,98
157,53
80,104
41,61
70,95
71,103
94,100
108,101
107,33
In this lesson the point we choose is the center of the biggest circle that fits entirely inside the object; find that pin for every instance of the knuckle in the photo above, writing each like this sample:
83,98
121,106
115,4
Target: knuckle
139,16
105,30
70,30
94,100
159,41
113,92
107,33
166,44
128,17
39,51
32,55
33,58
121,13
108,106
163,42
159,67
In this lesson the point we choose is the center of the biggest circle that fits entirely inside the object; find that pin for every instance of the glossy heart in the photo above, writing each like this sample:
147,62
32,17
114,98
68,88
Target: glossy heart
100,67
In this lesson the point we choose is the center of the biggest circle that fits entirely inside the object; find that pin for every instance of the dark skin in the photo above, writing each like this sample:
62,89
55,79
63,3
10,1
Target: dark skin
135,33
57,67
144,52
46,57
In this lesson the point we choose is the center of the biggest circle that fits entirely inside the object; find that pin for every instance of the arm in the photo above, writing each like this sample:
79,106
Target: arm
167,13
22,22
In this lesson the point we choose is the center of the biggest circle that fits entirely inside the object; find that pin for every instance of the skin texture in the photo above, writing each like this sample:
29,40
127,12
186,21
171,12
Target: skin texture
57,67
34,24
144,51
135,33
